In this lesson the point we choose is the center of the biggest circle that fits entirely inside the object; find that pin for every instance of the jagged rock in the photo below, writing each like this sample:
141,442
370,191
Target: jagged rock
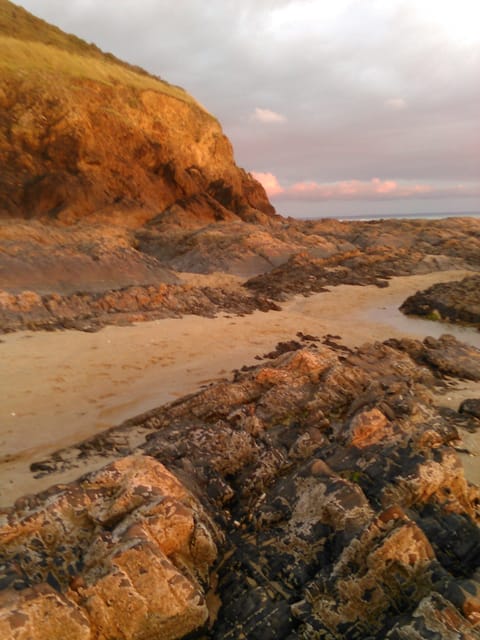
345,509
125,552
471,407
90,311
366,428
452,301
390,556
72,268
435,618
447,355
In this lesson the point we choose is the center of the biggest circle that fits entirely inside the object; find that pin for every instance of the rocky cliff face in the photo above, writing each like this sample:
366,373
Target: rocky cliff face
85,135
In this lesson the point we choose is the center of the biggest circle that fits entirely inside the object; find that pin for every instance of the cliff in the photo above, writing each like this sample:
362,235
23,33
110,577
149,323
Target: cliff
84,136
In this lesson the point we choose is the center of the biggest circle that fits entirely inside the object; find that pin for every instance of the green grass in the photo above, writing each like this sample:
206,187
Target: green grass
37,57
24,56
18,23
30,45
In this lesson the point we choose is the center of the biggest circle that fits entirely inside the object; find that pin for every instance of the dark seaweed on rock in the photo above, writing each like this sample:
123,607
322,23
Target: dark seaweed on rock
457,301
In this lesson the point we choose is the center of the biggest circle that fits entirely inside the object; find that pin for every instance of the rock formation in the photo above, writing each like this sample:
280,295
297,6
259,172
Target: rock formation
123,553
90,149
316,495
83,133
97,302
89,311
335,488
450,301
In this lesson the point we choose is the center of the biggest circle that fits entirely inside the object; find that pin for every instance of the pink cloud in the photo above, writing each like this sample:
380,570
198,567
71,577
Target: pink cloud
374,189
270,183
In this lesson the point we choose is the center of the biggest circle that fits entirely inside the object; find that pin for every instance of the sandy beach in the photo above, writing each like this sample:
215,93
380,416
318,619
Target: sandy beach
59,388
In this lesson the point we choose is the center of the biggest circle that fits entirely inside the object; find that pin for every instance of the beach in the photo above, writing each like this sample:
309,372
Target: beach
61,387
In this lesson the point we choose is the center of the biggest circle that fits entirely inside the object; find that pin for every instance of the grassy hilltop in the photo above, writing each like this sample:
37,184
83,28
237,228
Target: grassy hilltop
29,44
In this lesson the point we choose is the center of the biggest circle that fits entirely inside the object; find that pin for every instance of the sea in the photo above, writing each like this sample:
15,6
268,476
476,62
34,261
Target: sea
408,216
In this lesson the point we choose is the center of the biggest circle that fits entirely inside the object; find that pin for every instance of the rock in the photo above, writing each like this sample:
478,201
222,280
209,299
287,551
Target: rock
471,407
44,614
103,137
367,428
390,556
457,301
124,552
435,618
124,271
90,311
446,355
343,506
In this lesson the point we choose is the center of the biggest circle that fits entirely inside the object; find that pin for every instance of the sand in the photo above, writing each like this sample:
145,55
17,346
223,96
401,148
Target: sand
59,388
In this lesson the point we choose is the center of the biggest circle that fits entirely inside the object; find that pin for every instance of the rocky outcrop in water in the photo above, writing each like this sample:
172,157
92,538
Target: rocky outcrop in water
334,479
451,301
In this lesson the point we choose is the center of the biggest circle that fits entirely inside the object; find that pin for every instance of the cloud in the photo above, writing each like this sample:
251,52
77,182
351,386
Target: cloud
374,189
267,116
370,88
270,183
396,104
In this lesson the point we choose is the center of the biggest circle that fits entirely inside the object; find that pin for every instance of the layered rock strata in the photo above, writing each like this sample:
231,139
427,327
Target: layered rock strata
334,478
90,311
92,307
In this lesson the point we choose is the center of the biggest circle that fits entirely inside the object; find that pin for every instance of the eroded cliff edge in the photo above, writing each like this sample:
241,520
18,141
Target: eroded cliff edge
82,133
91,148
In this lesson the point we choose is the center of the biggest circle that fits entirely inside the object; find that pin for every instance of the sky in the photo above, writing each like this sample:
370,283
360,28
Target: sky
345,108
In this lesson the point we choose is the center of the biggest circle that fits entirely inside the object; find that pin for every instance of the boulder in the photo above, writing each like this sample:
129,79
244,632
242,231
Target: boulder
125,552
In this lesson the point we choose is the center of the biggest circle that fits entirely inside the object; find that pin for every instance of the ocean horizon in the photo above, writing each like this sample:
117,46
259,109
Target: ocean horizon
397,216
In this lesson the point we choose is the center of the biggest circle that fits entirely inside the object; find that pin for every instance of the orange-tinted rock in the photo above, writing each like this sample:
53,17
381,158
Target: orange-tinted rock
83,134
127,550
367,428
321,537
386,563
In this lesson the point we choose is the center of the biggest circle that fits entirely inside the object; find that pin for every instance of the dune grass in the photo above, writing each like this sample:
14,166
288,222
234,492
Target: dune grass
31,45
36,57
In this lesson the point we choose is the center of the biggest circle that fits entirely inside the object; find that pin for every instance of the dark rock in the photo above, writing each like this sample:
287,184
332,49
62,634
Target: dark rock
451,301
445,355
471,407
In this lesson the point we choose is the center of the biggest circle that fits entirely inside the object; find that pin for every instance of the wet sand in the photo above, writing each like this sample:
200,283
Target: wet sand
59,388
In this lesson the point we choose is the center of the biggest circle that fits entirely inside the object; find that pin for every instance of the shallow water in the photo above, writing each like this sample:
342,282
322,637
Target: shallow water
420,327
412,326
